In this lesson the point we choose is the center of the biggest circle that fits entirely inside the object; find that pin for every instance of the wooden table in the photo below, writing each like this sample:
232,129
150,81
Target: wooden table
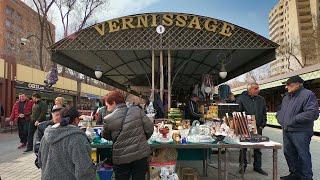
206,147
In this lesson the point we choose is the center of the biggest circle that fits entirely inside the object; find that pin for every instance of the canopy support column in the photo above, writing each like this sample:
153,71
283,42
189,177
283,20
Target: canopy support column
153,74
169,80
161,76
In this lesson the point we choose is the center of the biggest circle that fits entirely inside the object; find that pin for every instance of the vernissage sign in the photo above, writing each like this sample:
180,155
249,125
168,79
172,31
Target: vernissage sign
165,20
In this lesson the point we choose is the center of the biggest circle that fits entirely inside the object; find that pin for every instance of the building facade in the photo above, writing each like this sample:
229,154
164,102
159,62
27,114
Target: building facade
17,20
20,21
294,25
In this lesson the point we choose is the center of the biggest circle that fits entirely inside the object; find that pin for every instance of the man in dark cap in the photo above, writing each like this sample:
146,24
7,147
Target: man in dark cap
65,151
299,110
55,121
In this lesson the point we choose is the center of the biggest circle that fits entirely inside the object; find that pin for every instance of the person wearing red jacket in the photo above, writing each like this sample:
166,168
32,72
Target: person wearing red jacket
21,113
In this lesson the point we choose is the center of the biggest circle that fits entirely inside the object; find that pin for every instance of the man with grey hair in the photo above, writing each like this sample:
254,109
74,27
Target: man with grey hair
253,104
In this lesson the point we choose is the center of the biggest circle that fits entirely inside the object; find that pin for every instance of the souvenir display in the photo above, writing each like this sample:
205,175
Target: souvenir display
175,116
200,134
212,112
163,171
151,112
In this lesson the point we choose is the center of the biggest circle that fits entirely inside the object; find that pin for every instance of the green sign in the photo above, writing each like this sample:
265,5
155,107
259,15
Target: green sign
272,120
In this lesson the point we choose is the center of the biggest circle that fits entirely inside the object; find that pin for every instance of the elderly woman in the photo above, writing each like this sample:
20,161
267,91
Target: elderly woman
129,129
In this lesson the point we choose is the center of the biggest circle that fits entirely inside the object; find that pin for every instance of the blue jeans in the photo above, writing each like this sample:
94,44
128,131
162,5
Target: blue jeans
297,153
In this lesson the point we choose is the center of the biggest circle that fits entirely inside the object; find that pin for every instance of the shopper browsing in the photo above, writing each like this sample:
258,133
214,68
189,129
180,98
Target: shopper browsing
56,113
129,129
65,151
299,110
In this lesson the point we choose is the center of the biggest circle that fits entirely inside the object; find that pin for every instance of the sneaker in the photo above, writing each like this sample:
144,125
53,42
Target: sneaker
22,145
260,171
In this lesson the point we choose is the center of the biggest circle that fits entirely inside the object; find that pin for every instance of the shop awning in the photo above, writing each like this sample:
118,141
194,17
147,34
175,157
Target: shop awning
123,47
307,74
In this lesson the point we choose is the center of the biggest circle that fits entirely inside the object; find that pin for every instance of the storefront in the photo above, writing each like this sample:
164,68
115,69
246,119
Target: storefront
48,94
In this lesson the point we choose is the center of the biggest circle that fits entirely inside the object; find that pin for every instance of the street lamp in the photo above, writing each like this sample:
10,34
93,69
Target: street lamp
25,40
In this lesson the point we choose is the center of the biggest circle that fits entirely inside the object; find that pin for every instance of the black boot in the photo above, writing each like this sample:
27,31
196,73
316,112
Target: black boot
290,177
260,171
242,169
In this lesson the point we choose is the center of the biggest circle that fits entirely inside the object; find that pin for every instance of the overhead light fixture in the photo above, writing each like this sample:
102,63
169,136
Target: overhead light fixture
223,73
98,72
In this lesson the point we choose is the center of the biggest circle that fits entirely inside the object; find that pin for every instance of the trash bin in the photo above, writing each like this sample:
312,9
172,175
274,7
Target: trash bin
104,174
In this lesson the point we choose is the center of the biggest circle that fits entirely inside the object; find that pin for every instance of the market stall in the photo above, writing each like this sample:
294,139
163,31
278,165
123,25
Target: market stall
207,147
235,130
174,55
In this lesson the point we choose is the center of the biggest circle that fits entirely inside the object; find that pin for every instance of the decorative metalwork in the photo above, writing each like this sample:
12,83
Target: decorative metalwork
174,37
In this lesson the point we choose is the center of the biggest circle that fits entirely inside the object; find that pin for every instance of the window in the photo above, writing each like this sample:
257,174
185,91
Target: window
18,16
9,47
29,55
9,35
19,29
9,11
8,23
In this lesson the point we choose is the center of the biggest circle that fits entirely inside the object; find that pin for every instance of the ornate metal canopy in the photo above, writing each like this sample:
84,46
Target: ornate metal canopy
122,47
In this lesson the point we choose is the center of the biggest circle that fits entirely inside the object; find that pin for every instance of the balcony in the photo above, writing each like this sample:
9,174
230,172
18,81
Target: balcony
305,10
304,13
306,33
305,19
303,2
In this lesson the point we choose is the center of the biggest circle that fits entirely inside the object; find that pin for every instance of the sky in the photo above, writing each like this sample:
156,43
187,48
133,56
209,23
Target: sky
250,14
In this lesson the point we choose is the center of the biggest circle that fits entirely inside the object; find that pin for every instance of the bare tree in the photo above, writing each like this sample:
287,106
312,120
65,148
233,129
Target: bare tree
77,13
43,7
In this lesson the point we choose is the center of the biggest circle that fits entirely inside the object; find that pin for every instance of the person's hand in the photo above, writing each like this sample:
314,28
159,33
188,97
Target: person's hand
36,123
21,115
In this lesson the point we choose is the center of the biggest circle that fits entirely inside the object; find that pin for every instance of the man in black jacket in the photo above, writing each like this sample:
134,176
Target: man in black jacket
299,110
252,104
192,111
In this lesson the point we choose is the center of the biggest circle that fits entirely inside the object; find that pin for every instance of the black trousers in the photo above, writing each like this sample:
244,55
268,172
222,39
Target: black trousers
256,156
136,169
31,130
23,126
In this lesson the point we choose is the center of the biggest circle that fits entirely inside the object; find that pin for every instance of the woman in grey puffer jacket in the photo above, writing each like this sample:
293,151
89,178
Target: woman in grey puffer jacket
129,129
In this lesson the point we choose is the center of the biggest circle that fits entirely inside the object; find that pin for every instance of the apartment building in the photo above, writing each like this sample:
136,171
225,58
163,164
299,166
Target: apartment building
294,25
17,20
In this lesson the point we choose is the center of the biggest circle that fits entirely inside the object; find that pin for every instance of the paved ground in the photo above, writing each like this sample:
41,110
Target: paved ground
14,165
